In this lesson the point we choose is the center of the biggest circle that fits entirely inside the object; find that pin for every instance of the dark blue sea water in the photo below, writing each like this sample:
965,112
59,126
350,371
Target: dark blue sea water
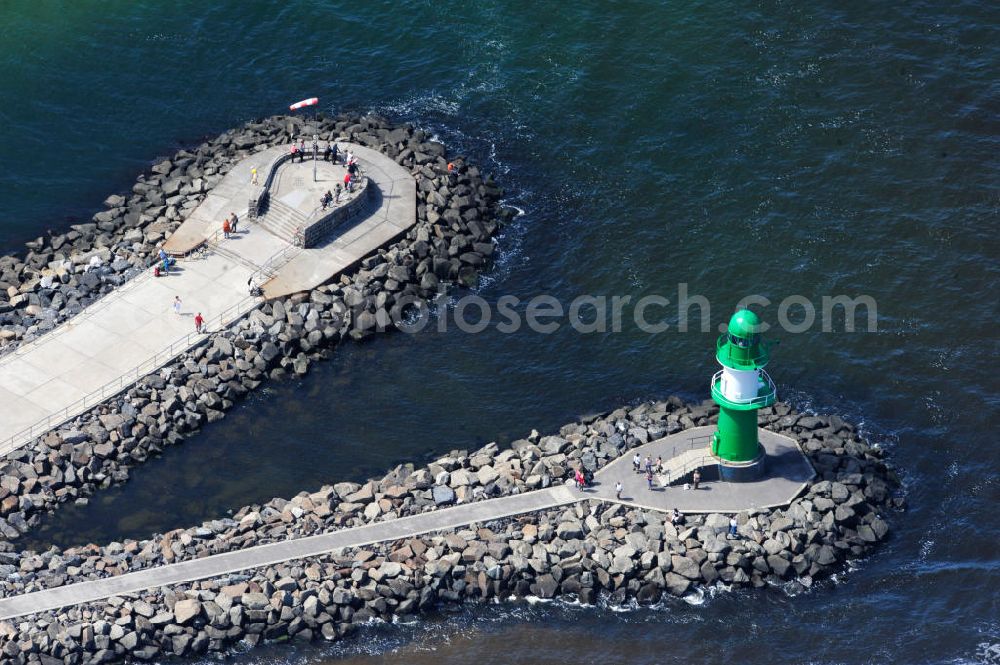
773,148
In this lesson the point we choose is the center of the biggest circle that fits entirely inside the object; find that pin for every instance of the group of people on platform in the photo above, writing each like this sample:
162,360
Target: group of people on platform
331,153
331,198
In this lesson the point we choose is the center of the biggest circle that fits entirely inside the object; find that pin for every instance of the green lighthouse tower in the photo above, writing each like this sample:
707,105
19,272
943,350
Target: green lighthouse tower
740,388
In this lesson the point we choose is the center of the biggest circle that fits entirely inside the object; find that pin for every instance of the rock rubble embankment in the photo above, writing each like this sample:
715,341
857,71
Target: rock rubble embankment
458,214
589,552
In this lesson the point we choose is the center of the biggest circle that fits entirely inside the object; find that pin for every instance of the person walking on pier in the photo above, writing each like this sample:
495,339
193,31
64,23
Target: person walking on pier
618,490
338,190
225,227
234,222
649,464
177,305
637,462
659,464
696,478
199,322
649,479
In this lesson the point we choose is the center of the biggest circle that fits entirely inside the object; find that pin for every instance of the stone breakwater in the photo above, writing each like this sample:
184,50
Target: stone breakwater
458,213
589,552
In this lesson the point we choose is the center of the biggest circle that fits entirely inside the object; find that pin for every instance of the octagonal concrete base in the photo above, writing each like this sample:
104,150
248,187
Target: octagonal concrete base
786,472
743,472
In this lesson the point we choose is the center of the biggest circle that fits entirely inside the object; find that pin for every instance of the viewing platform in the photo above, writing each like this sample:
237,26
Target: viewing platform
133,330
787,471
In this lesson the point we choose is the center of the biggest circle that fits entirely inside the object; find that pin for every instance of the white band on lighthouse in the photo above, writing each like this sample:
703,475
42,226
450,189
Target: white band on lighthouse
738,385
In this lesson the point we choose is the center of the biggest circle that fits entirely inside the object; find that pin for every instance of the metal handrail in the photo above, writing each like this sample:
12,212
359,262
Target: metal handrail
271,265
210,241
272,168
232,313
763,381
96,306
692,443
676,450
688,467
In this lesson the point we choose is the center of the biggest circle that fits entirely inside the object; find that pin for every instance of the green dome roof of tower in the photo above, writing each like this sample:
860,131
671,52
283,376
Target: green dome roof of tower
744,324
741,347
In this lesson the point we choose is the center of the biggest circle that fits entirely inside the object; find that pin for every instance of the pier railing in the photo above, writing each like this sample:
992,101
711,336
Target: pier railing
191,340
692,443
95,307
270,267
690,465
691,462
765,390
259,194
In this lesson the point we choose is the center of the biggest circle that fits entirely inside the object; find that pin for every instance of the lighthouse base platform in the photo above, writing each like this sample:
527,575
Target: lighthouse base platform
743,472
787,472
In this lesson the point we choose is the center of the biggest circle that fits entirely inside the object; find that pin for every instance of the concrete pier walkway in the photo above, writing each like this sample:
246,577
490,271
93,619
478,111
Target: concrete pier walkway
133,330
128,333
264,555
788,472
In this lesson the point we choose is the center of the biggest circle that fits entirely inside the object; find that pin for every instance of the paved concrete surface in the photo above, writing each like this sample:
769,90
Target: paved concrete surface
264,555
393,212
787,472
133,330
294,185
51,376
231,194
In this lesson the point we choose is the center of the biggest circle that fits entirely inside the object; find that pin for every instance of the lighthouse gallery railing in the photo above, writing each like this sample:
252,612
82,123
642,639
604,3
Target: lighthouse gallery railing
765,389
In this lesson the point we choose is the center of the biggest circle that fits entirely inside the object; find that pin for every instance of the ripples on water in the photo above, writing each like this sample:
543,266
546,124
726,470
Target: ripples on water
776,148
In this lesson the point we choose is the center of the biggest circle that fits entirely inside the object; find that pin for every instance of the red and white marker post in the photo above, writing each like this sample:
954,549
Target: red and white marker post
312,101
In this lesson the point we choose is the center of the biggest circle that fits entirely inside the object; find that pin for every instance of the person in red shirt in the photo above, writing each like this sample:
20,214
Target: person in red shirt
199,321
348,182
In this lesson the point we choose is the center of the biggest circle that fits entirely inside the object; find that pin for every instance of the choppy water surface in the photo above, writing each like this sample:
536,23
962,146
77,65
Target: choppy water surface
774,148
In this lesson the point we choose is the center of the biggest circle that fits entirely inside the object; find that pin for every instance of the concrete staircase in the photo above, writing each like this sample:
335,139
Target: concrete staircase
280,220
683,464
